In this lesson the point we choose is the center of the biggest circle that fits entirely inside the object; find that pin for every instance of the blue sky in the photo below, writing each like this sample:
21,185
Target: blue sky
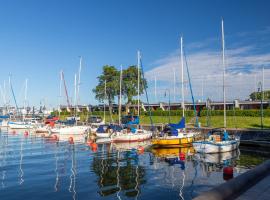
38,38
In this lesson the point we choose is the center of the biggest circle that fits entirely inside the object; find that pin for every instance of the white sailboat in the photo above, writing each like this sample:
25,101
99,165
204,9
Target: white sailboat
219,141
133,134
24,123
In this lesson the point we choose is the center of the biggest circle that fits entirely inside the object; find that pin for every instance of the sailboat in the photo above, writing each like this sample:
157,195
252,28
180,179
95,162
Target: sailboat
24,123
218,140
105,130
176,134
71,131
131,134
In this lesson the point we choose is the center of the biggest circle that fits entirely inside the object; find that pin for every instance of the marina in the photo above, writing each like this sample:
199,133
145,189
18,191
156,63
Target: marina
142,100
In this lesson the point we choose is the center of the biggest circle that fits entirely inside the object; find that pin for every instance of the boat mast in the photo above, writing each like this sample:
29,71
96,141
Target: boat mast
156,89
182,69
139,58
174,83
25,94
224,73
66,89
105,94
60,92
263,83
79,80
75,97
120,98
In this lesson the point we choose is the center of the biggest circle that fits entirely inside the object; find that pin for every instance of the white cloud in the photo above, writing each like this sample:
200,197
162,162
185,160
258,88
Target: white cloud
243,71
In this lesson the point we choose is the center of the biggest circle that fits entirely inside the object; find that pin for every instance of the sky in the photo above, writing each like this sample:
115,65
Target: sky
38,38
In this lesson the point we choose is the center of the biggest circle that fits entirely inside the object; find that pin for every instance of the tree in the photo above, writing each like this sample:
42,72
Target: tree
130,83
111,76
257,95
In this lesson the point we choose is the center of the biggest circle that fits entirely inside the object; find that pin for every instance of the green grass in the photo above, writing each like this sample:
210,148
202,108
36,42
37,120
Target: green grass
215,122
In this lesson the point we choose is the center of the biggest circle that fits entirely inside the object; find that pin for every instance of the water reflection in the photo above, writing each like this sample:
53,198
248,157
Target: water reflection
21,180
118,172
72,186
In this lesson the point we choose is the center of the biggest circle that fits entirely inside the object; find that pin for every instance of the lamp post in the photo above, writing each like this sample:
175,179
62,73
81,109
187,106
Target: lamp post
260,90
169,103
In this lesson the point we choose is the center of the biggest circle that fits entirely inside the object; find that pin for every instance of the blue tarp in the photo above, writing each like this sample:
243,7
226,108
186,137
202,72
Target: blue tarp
4,116
130,119
181,124
103,128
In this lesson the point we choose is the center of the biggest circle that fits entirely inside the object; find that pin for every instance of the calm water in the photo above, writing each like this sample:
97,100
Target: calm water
33,167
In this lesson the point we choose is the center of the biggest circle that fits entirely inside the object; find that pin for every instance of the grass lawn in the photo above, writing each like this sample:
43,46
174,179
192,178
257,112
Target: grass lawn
215,121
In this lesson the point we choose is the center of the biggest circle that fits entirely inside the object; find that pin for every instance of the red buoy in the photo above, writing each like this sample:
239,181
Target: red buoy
182,156
227,173
70,140
94,147
55,137
52,124
14,132
140,149
26,133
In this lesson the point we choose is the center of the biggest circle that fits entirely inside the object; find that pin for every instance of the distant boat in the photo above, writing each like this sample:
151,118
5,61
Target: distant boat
218,141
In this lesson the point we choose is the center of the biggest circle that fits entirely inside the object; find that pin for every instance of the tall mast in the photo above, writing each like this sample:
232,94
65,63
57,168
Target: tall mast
182,69
263,83
174,84
224,73
79,80
60,91
75,97
138,66
155,88
120,97
5,100
105,95
25,93
66,89
202,88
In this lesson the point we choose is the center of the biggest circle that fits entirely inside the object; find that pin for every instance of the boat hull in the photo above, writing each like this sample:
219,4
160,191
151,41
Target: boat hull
103,135
131,137
172,141
20,125
76,130
218,147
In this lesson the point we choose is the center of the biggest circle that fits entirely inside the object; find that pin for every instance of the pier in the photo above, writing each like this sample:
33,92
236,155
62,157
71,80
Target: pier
254,184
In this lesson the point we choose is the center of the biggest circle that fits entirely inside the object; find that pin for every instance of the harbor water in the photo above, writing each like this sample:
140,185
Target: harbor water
34,167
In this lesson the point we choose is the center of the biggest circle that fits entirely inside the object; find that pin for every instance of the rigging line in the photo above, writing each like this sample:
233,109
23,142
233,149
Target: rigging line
149,110
190,87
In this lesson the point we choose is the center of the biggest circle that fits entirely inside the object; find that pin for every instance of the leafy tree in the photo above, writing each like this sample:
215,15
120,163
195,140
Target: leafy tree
257,95
130,83
110,75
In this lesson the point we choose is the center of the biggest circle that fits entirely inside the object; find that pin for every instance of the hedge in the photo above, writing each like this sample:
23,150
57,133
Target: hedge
190,113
